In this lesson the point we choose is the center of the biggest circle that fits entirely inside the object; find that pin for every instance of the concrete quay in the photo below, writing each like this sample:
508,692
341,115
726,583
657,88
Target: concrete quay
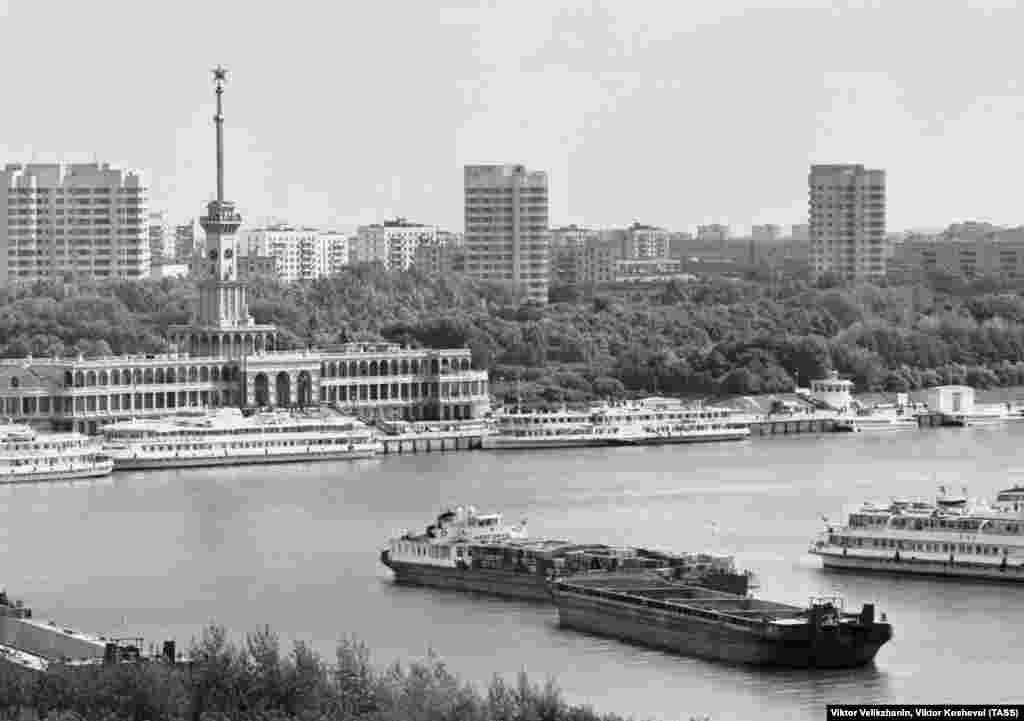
404,437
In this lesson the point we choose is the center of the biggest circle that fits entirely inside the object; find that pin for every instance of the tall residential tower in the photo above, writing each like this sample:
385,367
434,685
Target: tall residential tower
847,221
507,227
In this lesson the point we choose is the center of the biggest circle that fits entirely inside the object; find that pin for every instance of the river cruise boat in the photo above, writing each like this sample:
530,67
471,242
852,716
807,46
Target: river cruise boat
28,457
651,421
952,537
692,620
470,551
229,438
878,419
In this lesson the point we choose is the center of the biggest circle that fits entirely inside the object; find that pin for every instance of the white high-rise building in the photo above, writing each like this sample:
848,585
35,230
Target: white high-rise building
299,253
78,220
847,218
506,209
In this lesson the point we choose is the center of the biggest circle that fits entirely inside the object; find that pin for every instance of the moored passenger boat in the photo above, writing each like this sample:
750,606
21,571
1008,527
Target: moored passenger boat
29,457
952,537
651,421
470,551
697,621
878,420
229,438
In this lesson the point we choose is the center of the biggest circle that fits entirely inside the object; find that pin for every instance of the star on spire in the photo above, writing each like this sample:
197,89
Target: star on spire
220,74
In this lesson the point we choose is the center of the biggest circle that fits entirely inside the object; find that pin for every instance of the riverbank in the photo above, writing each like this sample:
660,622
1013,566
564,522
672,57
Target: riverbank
257,680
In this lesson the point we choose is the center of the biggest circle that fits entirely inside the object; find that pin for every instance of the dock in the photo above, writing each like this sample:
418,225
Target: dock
405,437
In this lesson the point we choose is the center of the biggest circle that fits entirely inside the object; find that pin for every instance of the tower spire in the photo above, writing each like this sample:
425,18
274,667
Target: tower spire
220,75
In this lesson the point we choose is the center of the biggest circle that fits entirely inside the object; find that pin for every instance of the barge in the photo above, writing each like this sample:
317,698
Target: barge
469,551
697,621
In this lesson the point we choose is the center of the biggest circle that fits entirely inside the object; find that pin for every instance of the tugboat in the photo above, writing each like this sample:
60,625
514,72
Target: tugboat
471,551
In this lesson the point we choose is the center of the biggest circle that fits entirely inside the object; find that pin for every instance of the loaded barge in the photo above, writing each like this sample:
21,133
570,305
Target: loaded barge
469,551
696,621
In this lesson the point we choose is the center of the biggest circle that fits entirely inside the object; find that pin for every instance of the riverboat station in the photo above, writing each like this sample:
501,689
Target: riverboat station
225,359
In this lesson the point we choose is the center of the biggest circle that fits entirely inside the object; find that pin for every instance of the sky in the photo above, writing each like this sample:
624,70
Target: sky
672,113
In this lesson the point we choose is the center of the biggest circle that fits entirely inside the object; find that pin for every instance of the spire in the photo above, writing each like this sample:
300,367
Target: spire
220,75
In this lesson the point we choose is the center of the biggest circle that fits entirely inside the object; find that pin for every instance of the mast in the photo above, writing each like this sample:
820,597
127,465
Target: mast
219,76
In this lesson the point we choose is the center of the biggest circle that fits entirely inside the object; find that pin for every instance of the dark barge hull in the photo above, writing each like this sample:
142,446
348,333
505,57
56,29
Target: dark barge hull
795,646
524,585
494,582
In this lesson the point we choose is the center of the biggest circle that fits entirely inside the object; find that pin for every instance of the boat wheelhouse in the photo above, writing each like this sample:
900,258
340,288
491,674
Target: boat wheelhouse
229,438
953,536
27,456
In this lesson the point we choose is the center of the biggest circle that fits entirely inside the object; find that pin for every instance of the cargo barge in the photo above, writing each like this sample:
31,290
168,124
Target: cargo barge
696,621
468,551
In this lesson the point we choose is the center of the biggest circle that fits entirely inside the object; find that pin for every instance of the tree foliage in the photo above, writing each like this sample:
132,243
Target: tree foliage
705,337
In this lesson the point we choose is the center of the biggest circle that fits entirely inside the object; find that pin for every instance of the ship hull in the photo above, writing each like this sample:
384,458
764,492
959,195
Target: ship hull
919,567
656,440
718,640
493,582
136,463
57,476
493,443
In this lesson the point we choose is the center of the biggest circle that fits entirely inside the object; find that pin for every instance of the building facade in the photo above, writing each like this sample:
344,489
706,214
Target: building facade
225,358
188,240
997,255
299,253
847,221
336,245
161,241
392,243
79,221
506,216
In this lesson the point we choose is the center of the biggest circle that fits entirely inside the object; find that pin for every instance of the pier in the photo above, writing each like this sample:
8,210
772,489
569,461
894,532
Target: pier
404,437
787,425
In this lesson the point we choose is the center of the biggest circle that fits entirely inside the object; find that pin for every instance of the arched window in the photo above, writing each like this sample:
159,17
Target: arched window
69,379
136,376
215,374
394,368
405,366
362,368
15,382
373,368
79,379
323,369
352,369
193,374
115,377
90,378
225,373
169,375
204,374
160,375
415,367
147,376
104,378
343,369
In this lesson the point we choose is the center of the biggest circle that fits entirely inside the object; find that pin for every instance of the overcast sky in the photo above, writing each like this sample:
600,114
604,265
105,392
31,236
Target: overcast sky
671,112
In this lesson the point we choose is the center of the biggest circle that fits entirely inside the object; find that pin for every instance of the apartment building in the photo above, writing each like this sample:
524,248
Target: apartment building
299,253
995,254
72,221
847,221
337,251
161,239
392,243
506,215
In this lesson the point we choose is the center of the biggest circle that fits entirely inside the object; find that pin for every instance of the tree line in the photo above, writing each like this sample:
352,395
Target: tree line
710,337
225,681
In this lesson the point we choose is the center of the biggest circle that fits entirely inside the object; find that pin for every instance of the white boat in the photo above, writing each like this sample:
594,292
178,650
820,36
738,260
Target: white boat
651,421
28,457
229,438
877,420
981,415
952,537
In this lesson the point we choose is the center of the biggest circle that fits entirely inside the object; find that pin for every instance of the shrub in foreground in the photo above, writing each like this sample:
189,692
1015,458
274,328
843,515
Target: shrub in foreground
256,680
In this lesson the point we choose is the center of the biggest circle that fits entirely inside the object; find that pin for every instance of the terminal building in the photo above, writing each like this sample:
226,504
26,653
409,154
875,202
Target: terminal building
223,358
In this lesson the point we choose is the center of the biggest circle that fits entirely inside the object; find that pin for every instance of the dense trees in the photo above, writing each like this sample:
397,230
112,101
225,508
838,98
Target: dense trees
256,680
705,337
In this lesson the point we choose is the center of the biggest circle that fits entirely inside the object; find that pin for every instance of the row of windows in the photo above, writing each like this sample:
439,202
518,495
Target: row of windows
902,545
394,367
116,377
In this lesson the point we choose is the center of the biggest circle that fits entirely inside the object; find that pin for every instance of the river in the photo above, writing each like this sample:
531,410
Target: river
161,554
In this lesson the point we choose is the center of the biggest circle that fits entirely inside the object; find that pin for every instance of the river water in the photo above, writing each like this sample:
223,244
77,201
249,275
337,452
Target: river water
161,554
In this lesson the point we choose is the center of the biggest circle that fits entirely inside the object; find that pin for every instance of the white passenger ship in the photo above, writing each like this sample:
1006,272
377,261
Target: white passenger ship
651,421
28,457
952,537
879,419
229,438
